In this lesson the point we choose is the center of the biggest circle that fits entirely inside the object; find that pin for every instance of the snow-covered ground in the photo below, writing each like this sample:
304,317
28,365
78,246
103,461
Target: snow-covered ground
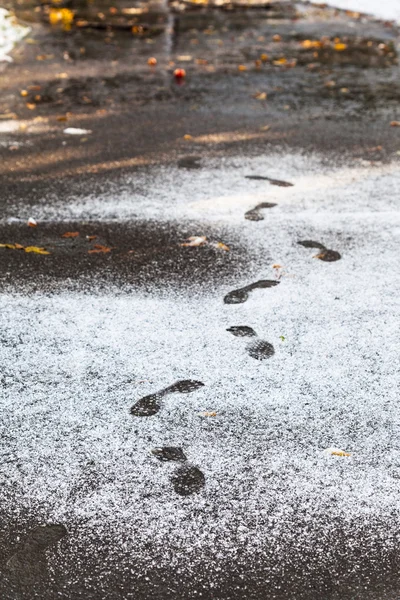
386,9
73,365
10,33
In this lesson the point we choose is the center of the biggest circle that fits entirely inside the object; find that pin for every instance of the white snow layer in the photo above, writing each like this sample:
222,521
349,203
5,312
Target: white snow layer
10,34
73,365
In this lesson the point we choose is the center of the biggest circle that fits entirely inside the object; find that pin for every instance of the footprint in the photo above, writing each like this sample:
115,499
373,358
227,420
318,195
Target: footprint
255,215
242,331
326,254
169,453
29,563
258,349
241,295
187,479
189,162
272,181
150,405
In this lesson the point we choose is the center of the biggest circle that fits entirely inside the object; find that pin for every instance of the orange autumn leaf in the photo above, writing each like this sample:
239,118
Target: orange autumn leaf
339,47
70,234
99,249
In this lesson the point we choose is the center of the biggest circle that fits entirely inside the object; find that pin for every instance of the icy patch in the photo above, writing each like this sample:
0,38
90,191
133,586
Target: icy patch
10,34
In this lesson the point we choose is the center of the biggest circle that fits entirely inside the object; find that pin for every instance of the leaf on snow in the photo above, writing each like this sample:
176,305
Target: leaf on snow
195,240
336,452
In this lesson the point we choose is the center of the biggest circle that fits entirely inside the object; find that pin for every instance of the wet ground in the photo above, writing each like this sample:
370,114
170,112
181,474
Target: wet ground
204,303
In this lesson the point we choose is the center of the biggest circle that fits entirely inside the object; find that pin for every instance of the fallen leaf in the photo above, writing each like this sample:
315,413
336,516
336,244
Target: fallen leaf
344,90
32,222
276,38
30,105
339,47
264,57
282,338
395,123
260,96
44,56
195,241
91,237
63,16
98,249
265,127
70,234
152,61
242,68
280,61
208,414
187,136
8,246
336,452
220,246
311,44
36,250
24,93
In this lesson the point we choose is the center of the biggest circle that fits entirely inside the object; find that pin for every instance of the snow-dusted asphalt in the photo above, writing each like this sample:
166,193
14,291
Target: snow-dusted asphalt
73,364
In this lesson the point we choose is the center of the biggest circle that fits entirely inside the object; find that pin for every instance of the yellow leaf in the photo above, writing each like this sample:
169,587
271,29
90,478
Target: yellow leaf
36,250
311,44
339,47
242,68
260,96
194,241
264,57
9,246
280,61
221,246
208,414
337,452
187,137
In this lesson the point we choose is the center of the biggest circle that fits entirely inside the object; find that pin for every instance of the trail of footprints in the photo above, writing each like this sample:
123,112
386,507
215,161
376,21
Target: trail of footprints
29,562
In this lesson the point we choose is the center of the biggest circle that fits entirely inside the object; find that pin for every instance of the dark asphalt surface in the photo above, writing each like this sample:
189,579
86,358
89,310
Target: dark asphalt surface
138,117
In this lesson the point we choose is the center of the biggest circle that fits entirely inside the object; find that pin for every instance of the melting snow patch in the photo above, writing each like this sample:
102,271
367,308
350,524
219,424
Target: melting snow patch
10,34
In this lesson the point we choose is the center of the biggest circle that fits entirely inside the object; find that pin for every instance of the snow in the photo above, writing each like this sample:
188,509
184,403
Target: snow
10,33
74,363
388,9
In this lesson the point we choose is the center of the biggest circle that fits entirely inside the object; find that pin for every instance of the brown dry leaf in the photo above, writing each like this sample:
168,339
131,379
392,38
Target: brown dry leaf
44,56
195,240
260,96
18,246
265,128
201,61
395,123
30,105
91,237
32,222
276,38
99,249
208,414
36,250
70,234
187,137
